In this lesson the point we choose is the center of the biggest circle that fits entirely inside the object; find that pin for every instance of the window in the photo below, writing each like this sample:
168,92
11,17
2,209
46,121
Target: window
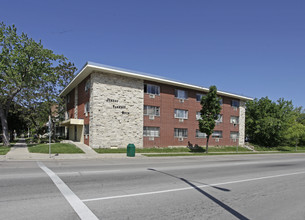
200,134
151,131
66,115
87,108
180,94
68,98
217,134
199,97
181,113
180,132
198,115
151,89
221,101
234,135
151,110
219,119
234,120
87,86
235,103
86,132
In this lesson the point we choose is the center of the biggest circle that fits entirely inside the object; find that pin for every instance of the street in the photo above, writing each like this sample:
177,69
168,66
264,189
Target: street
268,186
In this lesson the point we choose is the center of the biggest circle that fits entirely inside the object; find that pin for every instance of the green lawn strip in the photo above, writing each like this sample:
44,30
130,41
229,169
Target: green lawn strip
60,148
173,150
279,148
220,153
4,150
193,154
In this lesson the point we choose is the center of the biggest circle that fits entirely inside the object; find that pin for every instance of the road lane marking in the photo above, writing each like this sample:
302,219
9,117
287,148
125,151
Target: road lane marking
87,172
189,188
79,207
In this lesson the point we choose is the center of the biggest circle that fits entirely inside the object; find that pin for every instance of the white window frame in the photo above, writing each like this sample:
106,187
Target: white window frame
199,95
151,110
87,86
87,108
86,129
200,134
150,90
221,101
234,119
179,111
66,115
198,116
68,98
220,119
235,103
236,135
217,134
180,132
151,131
181,94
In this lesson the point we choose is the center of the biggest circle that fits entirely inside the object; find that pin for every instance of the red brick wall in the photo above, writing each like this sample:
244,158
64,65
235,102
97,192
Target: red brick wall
83,98
70,105
166,121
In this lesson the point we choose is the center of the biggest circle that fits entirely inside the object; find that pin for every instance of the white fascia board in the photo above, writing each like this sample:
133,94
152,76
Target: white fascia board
90,67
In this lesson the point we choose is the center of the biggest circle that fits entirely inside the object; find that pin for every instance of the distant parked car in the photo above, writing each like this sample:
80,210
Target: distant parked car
46,135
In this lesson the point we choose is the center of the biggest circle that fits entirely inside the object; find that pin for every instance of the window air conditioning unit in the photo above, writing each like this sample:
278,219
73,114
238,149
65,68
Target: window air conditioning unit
152,96
151,117
86,136
234,140
151,138
181,100
180,139
235,108
216,139
181,120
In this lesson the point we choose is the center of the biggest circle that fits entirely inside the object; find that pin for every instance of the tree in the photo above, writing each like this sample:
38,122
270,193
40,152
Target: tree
29,73
294,133
209,113
268,121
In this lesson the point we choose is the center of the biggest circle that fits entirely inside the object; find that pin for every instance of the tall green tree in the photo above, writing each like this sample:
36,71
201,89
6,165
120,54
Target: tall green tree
268,121
29,73
209,113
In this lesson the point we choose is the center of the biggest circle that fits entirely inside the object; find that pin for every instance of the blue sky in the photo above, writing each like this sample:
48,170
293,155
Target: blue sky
252,48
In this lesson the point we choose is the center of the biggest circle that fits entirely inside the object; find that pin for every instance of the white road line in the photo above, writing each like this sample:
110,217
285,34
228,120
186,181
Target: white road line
87,172
189,188
68,173
79,207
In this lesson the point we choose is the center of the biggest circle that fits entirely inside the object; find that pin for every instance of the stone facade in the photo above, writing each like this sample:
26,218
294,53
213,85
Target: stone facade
242,123
116,111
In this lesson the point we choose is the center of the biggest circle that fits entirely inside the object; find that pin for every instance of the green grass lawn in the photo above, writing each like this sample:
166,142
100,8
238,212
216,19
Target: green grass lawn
279,148
4,150
60,148
174,150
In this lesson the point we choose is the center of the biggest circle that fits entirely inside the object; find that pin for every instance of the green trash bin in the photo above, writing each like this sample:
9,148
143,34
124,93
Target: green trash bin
131,150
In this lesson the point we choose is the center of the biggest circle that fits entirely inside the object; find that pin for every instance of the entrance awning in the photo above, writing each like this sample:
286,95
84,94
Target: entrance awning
72,121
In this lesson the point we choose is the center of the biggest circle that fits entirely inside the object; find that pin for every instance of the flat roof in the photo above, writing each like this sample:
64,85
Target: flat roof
89,67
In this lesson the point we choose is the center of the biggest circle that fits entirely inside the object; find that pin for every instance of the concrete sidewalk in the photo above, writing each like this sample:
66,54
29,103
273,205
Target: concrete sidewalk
20,152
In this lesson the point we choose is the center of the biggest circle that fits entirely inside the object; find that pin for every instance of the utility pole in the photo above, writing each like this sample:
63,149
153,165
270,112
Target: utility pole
50,136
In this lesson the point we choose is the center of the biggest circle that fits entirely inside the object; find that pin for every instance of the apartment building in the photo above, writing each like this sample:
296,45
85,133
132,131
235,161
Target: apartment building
112,107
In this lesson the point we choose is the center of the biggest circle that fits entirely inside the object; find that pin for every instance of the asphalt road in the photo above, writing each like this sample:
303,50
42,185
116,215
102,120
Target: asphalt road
214,187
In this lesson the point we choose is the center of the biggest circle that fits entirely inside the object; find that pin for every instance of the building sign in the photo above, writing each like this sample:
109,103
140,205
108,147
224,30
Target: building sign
117,106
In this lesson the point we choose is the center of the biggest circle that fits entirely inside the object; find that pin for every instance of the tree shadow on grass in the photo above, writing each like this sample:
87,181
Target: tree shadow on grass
220,203
195,149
